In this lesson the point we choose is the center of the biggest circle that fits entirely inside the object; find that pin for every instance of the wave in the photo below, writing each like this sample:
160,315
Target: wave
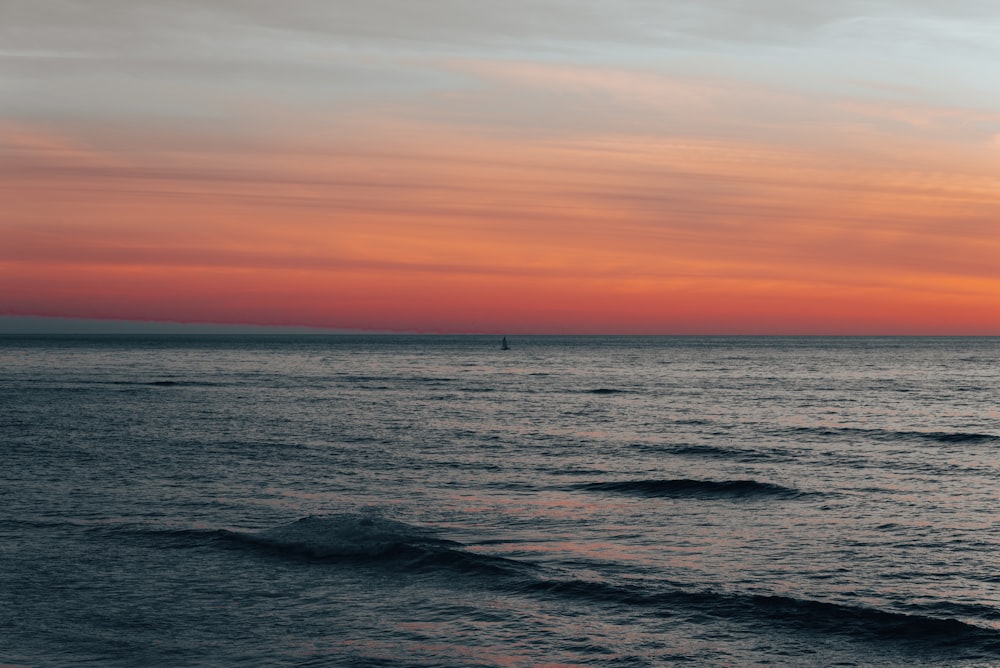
575,471
716,452
858,622
895,435
605,390
960,437
395,379
162,383
862,622
78,385
357,539
685,487
369,539
345,535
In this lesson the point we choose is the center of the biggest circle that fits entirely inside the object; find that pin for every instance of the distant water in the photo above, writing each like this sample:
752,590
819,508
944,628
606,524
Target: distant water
435,501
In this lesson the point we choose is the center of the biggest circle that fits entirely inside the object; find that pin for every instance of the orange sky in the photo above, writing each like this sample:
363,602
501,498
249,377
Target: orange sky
600,192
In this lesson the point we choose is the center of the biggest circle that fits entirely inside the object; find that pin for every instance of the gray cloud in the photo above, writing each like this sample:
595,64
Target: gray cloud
208,60
145,27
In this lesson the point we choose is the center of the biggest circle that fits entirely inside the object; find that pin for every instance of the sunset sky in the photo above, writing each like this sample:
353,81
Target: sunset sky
546,166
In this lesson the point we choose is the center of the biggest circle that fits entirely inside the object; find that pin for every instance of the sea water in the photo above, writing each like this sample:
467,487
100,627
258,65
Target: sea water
436,501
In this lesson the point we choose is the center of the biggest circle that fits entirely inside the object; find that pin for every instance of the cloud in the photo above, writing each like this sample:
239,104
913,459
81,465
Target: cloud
208,60
354,152
148,26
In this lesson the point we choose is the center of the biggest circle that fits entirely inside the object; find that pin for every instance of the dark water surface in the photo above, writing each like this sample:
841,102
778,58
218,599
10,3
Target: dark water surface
435,501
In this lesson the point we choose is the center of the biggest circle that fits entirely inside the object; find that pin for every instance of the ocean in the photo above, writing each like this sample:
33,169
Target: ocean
436,501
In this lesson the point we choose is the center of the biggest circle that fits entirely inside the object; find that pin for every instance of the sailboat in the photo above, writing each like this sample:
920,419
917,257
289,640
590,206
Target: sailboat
503,344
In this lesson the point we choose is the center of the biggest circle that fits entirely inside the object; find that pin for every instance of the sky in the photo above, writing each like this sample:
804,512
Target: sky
526,166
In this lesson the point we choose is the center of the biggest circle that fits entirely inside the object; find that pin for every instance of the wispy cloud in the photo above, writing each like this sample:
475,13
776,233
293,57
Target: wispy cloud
395,164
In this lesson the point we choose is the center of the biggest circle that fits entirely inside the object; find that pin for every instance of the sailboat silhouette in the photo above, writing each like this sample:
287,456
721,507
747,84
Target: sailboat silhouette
503,344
